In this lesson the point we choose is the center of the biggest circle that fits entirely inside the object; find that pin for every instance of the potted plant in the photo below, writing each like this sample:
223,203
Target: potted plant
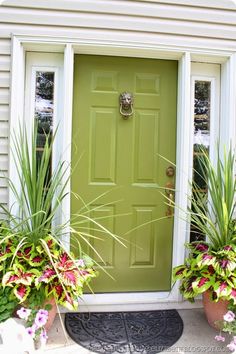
228,325
34,263
210,267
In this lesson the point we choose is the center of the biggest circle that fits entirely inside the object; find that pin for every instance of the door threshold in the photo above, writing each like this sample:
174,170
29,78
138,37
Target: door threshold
132,302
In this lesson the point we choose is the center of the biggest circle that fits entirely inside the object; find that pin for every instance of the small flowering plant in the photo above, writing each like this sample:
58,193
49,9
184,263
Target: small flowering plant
206,269
228,325
35,321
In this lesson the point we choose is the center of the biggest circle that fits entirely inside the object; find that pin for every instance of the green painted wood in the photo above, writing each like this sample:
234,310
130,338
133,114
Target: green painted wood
121,159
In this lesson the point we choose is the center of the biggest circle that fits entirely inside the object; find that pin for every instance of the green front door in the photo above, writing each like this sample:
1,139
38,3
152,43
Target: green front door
122,156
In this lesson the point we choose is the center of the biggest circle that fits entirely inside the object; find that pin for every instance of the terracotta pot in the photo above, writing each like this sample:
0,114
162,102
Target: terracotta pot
214,310
51,314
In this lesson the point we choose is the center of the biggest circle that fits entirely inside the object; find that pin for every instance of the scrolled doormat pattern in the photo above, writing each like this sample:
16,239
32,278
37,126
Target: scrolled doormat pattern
143,332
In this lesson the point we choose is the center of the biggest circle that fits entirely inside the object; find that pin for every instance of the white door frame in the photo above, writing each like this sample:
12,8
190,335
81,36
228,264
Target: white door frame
184,55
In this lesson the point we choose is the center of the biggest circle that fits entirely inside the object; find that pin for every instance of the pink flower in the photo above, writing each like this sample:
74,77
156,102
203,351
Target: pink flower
31,331
23,313
231,346
43,337
220,338
80,263
41,319
43,312
229,316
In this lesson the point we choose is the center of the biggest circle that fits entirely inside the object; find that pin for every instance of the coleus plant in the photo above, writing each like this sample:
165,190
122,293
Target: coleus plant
206,269
55,273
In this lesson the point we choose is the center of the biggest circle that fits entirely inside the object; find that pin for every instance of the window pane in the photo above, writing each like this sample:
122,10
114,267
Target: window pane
44,109
202,110
44,104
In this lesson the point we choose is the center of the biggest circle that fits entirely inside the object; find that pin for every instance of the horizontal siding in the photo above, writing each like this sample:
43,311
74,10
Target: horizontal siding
4,96
4,129
5,45
88,36
5,60
3,181
5,63
4,145
131,16
4,163
4,113
165,11
76,5
3,196
4,79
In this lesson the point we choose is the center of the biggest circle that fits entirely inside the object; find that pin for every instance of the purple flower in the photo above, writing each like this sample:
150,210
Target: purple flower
43,312
229,316
231,346
43,337
40,320
23,313
80,263
31,331
220,338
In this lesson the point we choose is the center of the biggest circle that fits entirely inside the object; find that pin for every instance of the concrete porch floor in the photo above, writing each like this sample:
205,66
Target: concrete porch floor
197,337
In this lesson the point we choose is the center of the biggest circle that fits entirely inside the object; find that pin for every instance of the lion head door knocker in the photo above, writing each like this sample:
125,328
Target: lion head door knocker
126,104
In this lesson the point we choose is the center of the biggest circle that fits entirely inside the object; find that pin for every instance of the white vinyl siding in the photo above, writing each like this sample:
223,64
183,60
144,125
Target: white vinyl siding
5,62
131,16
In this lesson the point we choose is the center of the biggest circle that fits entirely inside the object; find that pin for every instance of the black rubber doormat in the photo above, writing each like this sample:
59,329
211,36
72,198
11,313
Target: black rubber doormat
141,332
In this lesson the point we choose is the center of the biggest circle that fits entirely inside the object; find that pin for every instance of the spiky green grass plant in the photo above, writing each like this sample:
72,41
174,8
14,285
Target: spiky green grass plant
213,212
35,264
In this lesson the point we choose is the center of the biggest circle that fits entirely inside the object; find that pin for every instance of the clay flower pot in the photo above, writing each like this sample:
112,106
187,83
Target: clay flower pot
51,314
214,310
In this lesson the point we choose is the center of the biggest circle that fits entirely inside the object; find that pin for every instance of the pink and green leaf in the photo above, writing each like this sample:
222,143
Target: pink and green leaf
201,284
21,292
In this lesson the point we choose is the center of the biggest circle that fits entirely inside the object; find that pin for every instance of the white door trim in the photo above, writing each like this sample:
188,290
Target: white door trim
183,54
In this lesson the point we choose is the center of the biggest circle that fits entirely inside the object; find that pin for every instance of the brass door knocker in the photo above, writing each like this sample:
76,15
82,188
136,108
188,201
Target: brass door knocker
126,104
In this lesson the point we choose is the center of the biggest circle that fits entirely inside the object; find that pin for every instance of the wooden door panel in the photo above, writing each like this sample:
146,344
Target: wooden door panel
104,246
143,248
102,151
146,139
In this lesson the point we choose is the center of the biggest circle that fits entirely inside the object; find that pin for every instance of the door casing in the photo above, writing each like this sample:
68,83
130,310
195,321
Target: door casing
184,53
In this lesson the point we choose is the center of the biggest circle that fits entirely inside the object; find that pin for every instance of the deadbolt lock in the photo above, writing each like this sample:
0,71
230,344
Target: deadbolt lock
170,171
